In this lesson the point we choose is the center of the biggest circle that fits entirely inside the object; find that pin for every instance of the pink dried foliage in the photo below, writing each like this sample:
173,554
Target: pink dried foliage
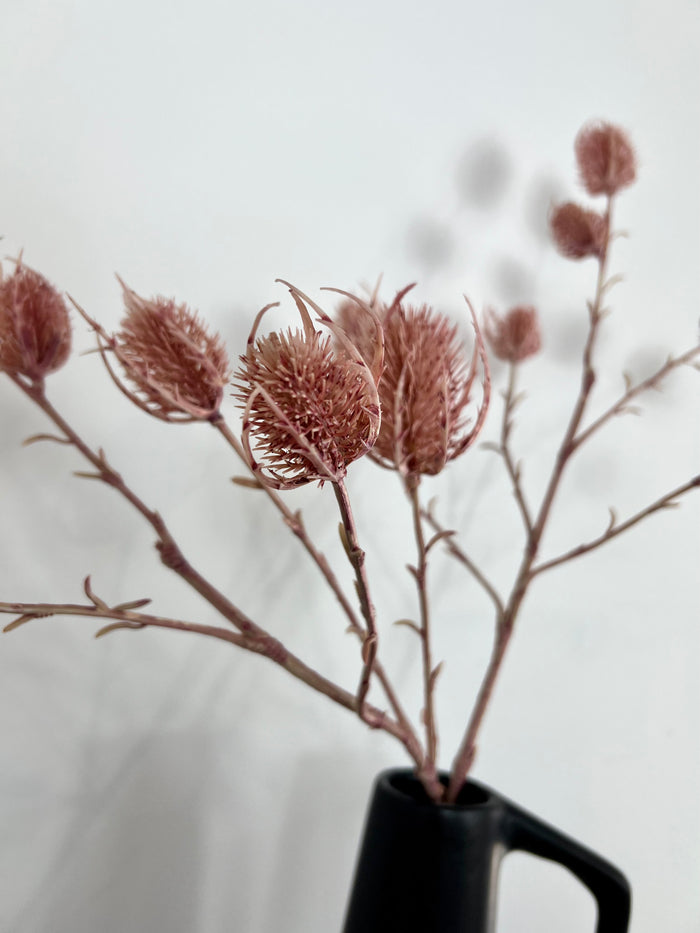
426,389
514,337
35,330
577,232
310,408
176,366
606,158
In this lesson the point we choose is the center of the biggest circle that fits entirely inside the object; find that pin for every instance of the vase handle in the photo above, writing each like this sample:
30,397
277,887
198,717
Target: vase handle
608,886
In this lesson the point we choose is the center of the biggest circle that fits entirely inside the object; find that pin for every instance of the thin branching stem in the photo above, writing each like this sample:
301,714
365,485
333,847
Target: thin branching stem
511,466
622,404
356,556
456,551
172,556
420,572
504,627
616,528
295,523
259,643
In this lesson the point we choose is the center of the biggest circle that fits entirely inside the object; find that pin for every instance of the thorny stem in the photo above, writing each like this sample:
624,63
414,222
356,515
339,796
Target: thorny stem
420,574
295,523
506,620
172,557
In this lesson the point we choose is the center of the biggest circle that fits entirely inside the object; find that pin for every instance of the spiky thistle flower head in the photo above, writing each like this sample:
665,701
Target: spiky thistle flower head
35,330
310,409
178,370
426,390
515,336
606,158
577,232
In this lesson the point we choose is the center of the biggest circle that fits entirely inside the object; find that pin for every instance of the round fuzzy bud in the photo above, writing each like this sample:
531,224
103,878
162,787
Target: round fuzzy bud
606,158
514,337
577,232
310,408
178,369
426,391
35,331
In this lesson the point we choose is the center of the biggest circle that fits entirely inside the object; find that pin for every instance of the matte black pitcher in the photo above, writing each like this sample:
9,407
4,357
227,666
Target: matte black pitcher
427,868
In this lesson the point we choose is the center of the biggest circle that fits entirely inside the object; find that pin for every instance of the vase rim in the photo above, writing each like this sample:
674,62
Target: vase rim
402,783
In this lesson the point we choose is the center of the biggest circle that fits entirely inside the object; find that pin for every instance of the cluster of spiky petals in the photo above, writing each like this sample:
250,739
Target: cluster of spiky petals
606,158
515,336
577,232
35,331
178,369
425,390
310,409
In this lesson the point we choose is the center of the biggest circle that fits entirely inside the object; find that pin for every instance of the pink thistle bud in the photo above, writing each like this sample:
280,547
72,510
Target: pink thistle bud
426,391
606,158
515,336
178,369
35,332
310,407
577,232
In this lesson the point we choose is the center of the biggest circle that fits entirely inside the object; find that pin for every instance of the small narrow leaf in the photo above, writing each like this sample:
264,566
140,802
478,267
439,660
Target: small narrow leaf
106,629
94,599
20,620
45,437
247,482
408,623
344,538
434,674
439,536
134,604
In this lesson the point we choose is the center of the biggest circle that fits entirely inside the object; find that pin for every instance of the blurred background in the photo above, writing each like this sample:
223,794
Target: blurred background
157,781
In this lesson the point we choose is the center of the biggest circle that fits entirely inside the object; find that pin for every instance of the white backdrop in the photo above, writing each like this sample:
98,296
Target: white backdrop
163,782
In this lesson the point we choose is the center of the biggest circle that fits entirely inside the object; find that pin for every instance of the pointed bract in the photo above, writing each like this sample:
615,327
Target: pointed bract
309,409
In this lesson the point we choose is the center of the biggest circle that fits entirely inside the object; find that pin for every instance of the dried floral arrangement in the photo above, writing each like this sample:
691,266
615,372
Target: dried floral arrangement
384,379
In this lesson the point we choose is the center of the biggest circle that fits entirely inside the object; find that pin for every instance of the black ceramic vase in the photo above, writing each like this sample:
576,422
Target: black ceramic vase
425,868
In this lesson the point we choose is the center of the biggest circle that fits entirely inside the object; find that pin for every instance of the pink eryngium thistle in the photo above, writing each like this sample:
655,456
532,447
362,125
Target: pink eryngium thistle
514,337
310,408
177,367
426,390
577,232
606,158
35,331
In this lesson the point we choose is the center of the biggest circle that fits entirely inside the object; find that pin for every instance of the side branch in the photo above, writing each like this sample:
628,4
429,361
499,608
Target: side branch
616,528
454,549
504,449
295,523
652,382
259,643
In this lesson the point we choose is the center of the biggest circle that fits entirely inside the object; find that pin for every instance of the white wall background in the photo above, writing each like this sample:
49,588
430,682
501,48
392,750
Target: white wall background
161,782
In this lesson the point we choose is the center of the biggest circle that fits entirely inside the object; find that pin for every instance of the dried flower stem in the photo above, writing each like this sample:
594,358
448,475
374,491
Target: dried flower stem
255,637
429,673
512,467
295,523
460,555
621,406
616,528
356,556
265,645
506,620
